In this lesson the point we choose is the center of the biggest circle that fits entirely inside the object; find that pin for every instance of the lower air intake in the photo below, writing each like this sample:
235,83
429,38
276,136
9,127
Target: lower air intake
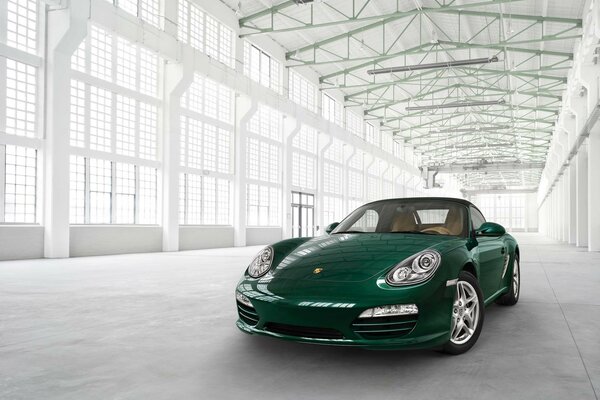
304,331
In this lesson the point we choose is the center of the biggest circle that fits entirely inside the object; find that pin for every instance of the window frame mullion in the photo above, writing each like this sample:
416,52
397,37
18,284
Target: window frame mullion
86,190
113,192
2,181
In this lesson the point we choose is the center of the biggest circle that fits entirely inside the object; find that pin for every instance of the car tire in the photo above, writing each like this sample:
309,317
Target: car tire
512,297
466,315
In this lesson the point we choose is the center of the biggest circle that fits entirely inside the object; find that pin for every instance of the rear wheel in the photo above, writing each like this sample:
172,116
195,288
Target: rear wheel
467,315
512,297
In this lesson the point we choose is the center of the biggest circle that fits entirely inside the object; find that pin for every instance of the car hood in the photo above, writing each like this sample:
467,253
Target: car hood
354,257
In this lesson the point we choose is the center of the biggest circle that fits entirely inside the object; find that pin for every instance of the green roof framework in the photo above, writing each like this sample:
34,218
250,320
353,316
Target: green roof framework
341,40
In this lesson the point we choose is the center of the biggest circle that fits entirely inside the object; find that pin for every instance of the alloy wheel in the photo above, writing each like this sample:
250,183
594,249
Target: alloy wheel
465,313
516,279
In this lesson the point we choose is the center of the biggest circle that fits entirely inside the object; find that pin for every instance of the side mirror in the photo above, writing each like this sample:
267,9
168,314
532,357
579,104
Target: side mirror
331,227
490,229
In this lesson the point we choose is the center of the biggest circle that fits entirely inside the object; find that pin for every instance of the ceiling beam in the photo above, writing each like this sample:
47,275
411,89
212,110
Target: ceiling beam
446,9
266,11
428,48
370,87
389,18
498,190
487,167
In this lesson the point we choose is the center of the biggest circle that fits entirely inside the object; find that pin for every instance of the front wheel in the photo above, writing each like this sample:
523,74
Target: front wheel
467,315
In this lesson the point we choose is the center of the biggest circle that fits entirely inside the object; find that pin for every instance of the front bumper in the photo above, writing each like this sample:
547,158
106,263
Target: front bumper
317,313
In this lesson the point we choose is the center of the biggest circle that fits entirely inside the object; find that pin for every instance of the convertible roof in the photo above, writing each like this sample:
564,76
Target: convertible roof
453,199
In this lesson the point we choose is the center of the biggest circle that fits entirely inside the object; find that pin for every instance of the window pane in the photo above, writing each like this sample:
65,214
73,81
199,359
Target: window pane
21,80
20,185
77,190
100,191
125,193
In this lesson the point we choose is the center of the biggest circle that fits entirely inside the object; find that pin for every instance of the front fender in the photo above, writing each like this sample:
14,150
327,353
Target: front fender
455,260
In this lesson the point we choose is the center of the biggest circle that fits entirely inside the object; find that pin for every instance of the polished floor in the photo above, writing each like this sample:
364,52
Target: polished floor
161,326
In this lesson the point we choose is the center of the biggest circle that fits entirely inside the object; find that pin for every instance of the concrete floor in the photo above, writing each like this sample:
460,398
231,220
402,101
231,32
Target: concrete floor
161,326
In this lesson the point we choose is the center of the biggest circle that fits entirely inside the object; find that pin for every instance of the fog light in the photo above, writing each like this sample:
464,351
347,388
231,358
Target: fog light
243,299
390,311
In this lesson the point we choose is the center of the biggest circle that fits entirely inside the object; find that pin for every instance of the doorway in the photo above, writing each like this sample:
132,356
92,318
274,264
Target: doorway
303,214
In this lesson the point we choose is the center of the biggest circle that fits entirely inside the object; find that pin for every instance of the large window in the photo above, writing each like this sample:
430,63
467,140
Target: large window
18,184
204,200
354,124
302,92
374,181
387,187
371,134
108,192
147,10
356,179
331,110
261,67
387,142
114,110
507,210
21,24
203,32
304,159
19,111
398,149
206,139
333,182
263,167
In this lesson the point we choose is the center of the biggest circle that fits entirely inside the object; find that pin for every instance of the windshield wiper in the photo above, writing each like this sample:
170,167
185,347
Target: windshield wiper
350,232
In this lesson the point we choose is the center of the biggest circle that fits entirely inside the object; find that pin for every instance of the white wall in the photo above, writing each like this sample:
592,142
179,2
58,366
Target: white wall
205,237
531,213
19,242
96,240
257,236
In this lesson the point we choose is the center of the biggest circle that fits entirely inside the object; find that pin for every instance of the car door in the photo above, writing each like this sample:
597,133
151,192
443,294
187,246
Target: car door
491,252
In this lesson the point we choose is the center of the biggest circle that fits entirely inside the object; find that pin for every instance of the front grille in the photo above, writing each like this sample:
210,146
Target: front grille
247,314
304,331
384,327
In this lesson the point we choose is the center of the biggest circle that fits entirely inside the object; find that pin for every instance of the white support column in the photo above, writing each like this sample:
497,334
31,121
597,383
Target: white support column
559,209
346,184
368,161
291,127
563,198
323,143
572,210
66,28
580,111
245,108
177,77
594,189
581,207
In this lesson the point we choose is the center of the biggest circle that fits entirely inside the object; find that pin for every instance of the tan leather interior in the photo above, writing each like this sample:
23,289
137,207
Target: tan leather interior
455,220
404,221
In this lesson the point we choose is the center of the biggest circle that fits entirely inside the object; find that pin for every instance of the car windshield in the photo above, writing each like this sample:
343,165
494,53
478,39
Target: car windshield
414,216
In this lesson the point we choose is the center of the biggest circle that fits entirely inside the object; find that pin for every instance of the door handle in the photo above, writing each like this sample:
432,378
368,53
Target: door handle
503,250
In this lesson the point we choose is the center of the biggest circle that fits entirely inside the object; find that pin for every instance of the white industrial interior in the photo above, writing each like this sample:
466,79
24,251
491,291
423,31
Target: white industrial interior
149,148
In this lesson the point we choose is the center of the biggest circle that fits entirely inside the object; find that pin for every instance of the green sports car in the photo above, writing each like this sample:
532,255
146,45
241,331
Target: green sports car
399,273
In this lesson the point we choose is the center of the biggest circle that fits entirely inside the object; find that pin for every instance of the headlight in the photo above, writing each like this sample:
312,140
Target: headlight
415,269
261,263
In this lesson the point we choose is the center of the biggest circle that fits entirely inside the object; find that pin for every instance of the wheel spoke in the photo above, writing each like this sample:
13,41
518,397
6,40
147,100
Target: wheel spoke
472,298
469,319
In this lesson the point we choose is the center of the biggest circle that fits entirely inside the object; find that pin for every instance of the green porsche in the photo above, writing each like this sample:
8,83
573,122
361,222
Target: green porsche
399,273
